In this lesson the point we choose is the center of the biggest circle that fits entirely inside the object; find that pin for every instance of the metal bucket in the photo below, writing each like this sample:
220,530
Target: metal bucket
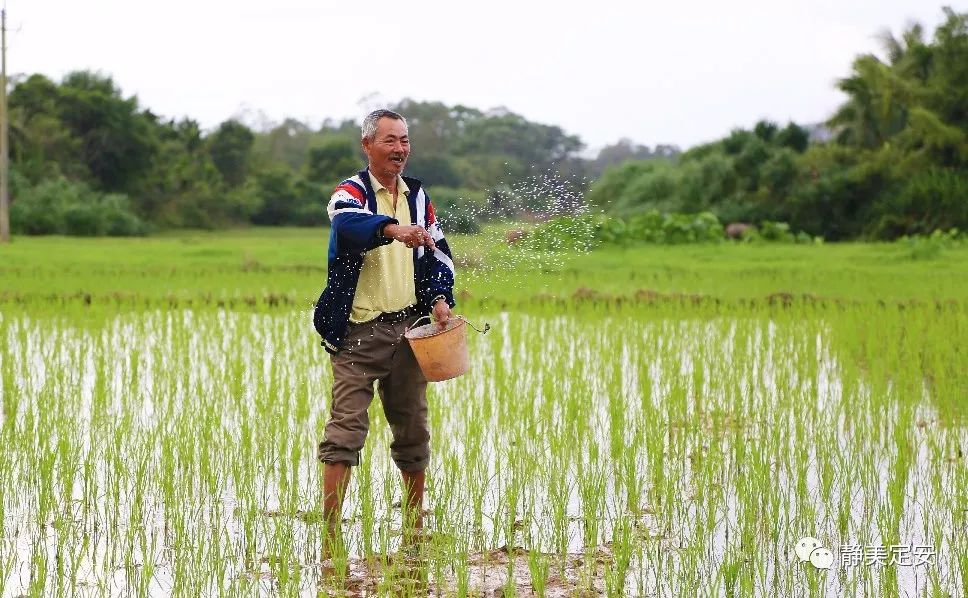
440,352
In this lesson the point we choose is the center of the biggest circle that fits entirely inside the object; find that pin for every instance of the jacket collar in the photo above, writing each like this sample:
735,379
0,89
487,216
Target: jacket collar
412,183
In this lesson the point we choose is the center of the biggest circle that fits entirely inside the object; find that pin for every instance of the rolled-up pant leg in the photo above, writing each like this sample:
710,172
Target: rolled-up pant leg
377,352
404,396
366,357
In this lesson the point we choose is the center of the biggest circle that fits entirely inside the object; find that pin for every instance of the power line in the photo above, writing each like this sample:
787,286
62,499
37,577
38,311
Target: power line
4,149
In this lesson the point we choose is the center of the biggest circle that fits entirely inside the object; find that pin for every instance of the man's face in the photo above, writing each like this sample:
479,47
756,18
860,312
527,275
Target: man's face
389,148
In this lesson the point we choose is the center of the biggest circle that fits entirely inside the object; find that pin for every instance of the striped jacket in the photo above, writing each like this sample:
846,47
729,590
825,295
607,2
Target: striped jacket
356,229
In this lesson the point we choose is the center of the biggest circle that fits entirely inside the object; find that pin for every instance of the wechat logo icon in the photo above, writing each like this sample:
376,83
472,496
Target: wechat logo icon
810,549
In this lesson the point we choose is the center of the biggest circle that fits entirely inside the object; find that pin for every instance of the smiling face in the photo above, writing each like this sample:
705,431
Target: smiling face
389,148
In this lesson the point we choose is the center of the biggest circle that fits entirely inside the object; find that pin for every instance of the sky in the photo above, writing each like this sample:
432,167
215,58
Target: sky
654,72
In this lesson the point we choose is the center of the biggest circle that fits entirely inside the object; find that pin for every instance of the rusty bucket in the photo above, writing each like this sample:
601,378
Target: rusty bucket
441,352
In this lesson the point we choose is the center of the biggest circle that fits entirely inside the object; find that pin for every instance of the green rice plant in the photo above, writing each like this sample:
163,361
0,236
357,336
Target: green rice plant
622,549
591,490
664,444
539,567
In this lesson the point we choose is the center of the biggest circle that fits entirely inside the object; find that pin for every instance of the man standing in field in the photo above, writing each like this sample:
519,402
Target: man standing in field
388,265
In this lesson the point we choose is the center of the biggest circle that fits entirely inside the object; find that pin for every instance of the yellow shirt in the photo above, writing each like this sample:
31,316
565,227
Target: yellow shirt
386,280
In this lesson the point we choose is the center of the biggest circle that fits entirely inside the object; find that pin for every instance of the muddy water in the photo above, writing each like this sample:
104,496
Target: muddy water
715,440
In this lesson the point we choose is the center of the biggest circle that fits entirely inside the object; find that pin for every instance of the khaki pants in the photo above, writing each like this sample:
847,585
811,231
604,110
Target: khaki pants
377,352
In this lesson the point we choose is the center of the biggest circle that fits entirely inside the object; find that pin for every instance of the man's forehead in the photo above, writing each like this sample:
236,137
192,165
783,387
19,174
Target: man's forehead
391,126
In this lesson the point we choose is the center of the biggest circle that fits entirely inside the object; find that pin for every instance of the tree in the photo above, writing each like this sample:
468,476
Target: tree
766,130
287,143
502,132
434,169
41,147
117,140
625,149
434,127
947,79
794,137
230,148
279,196
184,188
332,159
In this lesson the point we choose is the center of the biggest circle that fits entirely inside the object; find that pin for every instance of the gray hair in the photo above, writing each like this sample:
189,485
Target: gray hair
369,123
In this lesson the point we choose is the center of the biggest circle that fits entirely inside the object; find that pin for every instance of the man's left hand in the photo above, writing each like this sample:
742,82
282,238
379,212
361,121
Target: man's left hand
441,312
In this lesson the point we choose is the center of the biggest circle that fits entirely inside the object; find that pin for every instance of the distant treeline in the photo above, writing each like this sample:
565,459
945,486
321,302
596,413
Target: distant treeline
88,160
897,163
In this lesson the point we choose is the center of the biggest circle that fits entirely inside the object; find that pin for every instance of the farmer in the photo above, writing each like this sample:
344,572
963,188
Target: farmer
389,264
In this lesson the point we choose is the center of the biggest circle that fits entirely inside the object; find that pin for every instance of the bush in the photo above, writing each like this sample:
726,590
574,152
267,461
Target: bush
39,210
458,221
703,227
310,214
565,233
83,220
654,188
459,210
613,231
59,206
117,217
929,200
655,227
776,231
607,190
704,183
927,247
32,218
445,198
582,233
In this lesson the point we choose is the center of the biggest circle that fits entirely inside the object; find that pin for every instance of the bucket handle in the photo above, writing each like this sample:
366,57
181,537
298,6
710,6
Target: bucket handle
414,325
486,325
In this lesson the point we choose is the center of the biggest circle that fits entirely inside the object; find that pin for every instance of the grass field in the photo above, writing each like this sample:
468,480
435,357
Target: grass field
658,421
291,264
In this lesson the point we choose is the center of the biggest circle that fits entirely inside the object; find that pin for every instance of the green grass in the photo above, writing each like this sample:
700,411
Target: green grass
291,263
615,434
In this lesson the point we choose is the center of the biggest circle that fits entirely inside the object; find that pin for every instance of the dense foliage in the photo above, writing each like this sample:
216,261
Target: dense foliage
585,232
65,207
892,161
897,163
84,136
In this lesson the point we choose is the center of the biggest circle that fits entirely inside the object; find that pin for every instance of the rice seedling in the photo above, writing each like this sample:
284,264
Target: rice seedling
663,445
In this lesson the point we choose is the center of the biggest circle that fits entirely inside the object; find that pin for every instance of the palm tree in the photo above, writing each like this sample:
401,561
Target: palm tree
882,94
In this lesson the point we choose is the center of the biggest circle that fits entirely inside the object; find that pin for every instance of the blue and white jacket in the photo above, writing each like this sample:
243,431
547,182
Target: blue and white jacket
356,230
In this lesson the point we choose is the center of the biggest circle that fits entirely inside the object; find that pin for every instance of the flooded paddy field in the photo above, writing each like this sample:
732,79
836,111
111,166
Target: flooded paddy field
659,421
595,448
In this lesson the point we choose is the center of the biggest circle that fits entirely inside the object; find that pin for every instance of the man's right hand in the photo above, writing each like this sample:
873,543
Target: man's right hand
409,235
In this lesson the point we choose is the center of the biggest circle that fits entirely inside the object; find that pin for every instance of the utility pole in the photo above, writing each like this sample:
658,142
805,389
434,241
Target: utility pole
4,150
